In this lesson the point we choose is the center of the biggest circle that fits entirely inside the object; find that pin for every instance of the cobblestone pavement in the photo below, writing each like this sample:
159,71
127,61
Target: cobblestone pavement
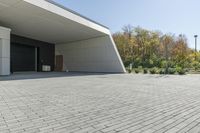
118,103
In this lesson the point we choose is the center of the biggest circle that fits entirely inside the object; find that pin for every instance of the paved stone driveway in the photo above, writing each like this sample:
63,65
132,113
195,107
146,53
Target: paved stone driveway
101,104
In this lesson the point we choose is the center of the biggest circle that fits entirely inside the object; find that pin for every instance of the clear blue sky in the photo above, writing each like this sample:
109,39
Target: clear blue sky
168,16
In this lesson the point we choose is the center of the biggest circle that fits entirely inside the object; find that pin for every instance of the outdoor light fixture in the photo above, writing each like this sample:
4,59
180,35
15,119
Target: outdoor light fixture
195,36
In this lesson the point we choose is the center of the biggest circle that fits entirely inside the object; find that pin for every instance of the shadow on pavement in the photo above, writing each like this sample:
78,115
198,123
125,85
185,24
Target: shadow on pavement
40,75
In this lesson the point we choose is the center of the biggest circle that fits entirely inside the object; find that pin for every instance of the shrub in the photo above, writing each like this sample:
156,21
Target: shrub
137,62
187,69
151,62
145,70
196,65
162,71
163,64
129,71
171,70
180,70
171,64
154,70
140,67
137,70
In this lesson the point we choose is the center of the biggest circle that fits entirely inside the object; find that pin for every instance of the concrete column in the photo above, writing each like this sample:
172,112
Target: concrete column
4,51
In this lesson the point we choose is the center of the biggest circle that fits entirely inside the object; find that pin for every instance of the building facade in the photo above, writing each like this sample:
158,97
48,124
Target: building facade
40,35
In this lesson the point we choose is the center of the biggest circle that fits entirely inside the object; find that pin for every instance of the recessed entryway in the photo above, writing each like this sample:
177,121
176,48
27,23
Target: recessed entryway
29,55
23,58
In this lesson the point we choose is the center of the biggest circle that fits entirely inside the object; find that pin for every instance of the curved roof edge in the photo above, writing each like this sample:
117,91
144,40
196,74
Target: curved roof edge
69,10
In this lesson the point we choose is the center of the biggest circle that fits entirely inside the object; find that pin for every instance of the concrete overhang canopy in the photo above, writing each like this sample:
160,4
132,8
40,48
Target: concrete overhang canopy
45,21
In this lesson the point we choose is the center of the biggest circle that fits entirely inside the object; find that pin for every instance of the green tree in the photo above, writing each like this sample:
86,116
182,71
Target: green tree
154,49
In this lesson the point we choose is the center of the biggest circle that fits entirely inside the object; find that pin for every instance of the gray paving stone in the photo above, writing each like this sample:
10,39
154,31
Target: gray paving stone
99,103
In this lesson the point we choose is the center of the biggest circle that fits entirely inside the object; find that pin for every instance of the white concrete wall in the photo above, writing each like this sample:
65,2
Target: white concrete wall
4,51
92,55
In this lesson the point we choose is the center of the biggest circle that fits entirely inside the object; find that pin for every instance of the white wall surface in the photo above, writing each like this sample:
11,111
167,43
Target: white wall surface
4,51
92,55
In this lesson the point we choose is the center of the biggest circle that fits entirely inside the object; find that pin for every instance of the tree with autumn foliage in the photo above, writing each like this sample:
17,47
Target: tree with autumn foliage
148,49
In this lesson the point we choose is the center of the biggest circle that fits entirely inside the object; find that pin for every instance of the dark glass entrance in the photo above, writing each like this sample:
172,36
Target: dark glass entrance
30,55
23,58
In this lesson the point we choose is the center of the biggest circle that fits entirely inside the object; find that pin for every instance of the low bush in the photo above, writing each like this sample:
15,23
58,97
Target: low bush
187,69
140,67
137,70
129,71
154,70
162,71
171,70
145,70
180,70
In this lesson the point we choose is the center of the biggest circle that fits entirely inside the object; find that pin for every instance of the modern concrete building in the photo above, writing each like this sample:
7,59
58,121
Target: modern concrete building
40,35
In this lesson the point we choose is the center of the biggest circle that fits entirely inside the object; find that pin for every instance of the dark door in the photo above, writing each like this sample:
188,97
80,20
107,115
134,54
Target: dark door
59,63
22,58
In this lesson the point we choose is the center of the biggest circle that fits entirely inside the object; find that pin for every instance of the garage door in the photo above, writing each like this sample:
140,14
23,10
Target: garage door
22,58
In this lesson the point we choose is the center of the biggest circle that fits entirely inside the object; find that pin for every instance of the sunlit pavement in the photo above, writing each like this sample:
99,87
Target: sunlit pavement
81,103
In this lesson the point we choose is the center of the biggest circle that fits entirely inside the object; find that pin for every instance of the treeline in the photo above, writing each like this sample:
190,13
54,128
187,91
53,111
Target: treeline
149,49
